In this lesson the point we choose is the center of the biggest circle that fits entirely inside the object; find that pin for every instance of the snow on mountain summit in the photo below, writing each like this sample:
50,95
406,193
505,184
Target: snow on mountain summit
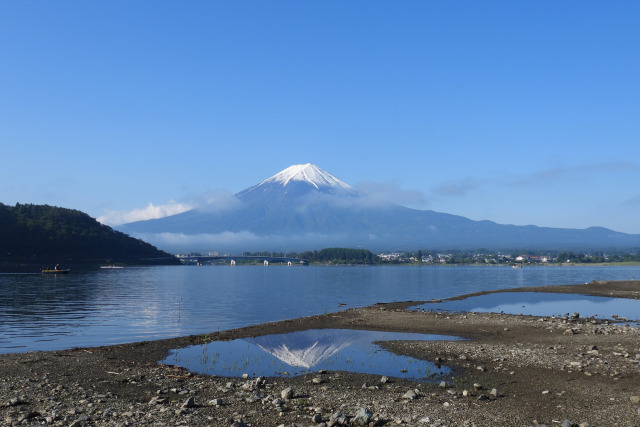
309,173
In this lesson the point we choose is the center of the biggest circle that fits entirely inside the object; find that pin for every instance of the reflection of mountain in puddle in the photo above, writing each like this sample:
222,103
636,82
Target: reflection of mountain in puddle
307,348
298,352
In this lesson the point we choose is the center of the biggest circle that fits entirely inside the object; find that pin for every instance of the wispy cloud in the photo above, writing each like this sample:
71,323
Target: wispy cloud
376,193
151,211
634,201
212,201
455,188
215,201
557,173
242,240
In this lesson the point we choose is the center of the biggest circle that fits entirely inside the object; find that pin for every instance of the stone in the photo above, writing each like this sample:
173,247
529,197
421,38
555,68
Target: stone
363,416
409,395
316,418
635,399
567,423
215,402
384,379
338,418
189,403
287,393
494,392
443,384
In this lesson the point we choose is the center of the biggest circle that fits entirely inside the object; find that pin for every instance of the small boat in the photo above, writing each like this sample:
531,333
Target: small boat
55,271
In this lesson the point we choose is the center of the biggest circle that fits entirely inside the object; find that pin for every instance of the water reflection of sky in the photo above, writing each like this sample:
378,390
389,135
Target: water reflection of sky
308,351
543,304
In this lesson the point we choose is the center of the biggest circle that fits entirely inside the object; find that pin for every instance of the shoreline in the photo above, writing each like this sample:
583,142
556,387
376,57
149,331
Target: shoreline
513,370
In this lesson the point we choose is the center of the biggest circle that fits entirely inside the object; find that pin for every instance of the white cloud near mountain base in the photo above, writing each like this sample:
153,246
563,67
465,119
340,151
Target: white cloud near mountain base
211,201
151,211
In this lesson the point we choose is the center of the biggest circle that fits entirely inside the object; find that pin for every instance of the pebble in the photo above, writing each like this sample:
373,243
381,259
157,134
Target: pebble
189,403
409,395
363,416
287,393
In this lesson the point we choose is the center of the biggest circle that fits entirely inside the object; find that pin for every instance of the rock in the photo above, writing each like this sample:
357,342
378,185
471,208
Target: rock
494,392
477,386
287,393
363,417
384,379
215,402
410,395
567,423
338,418
443,384
158,401
316,418
481,368
189,403
317,380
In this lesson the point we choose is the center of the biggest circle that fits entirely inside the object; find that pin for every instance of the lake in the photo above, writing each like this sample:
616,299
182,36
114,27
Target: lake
104,307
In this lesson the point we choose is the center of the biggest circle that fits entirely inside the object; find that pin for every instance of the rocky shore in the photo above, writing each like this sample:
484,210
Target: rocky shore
512,371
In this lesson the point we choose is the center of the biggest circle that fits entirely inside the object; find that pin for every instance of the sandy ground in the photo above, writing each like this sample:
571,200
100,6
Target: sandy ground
512,371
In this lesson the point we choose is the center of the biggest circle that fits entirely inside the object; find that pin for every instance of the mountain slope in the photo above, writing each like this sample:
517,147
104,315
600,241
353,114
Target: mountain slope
39,233
304,207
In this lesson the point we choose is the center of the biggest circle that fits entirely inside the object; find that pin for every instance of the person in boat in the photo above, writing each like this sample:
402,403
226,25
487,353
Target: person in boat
57,267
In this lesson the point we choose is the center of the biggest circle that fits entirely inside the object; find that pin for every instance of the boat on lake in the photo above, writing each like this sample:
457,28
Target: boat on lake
55,271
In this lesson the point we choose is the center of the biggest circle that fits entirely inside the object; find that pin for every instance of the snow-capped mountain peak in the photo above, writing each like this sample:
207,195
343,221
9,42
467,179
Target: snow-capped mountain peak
299,176
310,174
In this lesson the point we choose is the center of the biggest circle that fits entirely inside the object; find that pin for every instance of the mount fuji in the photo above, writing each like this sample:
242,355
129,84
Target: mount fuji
305,207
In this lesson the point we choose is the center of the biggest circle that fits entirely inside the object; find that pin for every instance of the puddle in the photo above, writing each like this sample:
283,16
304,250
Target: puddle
544,304
302,352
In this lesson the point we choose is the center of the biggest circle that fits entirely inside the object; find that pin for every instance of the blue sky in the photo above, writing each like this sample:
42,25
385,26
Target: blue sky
520,112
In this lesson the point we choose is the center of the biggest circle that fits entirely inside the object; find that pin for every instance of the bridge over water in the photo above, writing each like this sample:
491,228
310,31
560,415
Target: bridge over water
201,259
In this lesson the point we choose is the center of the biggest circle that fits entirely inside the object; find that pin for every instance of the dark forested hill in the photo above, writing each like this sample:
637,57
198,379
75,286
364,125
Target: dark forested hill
42,233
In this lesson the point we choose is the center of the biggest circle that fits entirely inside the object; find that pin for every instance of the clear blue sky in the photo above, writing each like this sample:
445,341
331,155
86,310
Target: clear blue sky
520,112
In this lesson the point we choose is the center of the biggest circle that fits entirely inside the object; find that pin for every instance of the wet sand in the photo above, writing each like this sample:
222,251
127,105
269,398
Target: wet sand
512,371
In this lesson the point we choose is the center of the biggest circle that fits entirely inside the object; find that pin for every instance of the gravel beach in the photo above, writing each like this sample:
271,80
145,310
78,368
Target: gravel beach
513,370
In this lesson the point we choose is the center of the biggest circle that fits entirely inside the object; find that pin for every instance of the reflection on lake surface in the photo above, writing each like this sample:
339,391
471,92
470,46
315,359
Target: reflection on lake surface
302,352
543,304
111,306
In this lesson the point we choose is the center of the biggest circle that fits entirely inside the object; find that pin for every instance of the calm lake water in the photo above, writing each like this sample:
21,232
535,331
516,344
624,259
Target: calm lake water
105,307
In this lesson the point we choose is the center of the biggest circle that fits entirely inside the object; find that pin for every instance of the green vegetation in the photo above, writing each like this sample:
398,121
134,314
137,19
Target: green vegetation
340,256
42,234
